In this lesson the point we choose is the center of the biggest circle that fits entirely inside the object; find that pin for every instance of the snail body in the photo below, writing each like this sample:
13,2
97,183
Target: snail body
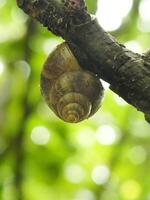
72,93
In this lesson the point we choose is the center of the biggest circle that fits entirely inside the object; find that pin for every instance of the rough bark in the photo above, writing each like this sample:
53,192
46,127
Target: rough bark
128,73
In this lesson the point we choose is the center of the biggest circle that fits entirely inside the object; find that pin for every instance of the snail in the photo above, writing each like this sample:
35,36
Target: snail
72,93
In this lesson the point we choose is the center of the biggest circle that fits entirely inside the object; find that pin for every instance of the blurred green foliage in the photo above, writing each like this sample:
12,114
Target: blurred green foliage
43,158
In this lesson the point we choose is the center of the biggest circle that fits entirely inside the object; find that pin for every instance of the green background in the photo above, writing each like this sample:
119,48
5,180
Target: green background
106,157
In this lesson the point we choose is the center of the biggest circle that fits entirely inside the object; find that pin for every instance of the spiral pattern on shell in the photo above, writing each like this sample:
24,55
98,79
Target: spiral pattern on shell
72,93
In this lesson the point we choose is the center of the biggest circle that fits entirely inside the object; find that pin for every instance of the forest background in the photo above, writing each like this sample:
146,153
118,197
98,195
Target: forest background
41,157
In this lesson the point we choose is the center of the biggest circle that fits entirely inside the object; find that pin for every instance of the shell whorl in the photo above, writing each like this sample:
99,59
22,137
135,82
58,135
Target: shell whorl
72,93
73,107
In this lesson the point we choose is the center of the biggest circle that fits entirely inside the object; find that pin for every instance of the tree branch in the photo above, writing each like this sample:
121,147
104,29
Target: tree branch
27,109
127,72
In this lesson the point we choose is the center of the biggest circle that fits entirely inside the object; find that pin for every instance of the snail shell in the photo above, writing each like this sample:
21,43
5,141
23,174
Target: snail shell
72,93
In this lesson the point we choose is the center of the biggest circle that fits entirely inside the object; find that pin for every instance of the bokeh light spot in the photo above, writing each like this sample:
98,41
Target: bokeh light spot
107,135
131,190
1,67
40,135
24,68
144,16
137,155
84,194
18,16
49,45
134,46
140,128
111,13
144,9
2,3
100,174
74,173
85,137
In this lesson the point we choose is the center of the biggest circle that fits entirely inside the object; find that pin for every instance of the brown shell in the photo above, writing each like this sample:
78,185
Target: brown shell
72,93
